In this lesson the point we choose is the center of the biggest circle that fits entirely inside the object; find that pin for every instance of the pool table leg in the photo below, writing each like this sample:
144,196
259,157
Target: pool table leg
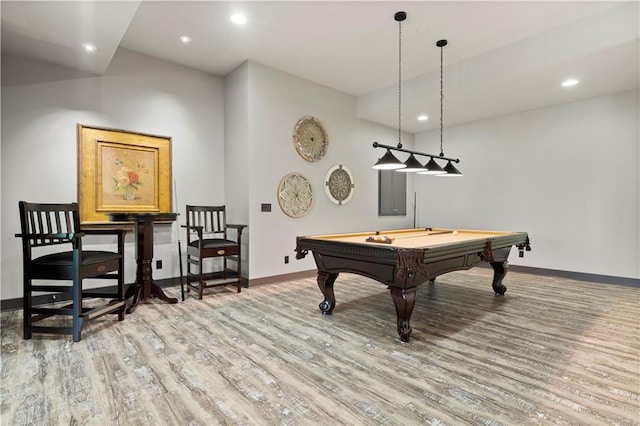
499,271
325,282
404,299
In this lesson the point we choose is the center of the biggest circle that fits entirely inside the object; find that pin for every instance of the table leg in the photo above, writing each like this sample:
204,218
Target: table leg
157,292
144,286
404,300
325,282
144,256
499,271
133,292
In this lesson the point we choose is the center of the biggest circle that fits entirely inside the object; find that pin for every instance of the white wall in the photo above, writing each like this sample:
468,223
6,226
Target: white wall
567,175
138,93
237,153
276,102
232,151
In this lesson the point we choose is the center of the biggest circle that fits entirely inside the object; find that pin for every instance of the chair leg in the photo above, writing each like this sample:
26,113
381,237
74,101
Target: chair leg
201,283
200,279
181,272
26,308
123,309
239,269
188,273
77,308
122,312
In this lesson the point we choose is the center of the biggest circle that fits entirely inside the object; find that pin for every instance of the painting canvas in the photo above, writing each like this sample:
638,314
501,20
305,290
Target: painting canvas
128,176
122,171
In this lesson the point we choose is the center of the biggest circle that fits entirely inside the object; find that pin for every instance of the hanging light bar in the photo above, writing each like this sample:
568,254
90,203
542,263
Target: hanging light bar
424,169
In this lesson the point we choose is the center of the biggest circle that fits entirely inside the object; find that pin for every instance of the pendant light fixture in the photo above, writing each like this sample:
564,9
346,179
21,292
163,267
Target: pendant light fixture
390,161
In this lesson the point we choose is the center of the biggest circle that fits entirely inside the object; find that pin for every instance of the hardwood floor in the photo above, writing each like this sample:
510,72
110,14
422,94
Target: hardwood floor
551,351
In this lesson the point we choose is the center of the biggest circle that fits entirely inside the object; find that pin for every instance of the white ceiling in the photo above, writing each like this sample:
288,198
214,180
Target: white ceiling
502,57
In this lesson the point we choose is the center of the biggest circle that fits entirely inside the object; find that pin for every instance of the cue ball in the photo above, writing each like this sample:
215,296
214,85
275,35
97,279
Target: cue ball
455,232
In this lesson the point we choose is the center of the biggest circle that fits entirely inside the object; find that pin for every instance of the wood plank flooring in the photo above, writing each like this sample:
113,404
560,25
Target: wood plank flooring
551,351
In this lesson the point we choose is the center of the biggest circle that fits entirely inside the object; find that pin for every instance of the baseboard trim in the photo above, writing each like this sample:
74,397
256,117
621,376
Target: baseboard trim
578,276
13,304
311,273
43,299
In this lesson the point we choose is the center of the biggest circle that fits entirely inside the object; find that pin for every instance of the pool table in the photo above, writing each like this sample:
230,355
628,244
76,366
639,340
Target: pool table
406,258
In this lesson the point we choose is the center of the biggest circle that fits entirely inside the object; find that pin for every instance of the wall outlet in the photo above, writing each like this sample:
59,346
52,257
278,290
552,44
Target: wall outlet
158,264
286,259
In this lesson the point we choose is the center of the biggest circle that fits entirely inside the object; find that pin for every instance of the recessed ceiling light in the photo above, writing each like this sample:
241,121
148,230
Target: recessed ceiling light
423,117
185,39
89,47
238,18
570,82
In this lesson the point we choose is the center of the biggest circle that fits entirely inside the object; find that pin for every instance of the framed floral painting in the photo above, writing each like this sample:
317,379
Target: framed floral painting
122,171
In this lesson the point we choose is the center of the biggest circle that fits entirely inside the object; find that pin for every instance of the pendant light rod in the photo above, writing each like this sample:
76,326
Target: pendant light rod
424,154
441,44
399,17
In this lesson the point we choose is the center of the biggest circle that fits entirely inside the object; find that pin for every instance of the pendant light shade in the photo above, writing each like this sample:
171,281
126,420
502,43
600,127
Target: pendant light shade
451,171
432,168
389,162
412,165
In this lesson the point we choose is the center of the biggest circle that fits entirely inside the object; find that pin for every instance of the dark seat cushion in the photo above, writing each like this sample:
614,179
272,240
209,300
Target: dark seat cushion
66,258
214,243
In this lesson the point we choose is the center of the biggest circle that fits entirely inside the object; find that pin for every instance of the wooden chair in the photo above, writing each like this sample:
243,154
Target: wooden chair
46,231
209,236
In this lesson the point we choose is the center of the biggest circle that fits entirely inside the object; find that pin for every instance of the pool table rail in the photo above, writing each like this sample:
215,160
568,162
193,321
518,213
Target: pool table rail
406,267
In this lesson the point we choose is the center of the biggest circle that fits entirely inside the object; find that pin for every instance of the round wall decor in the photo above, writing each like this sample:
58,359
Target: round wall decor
295,195
310,138
338,184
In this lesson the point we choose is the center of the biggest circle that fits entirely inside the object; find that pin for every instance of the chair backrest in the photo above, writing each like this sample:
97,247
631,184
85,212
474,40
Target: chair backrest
48,224
43,224
211,218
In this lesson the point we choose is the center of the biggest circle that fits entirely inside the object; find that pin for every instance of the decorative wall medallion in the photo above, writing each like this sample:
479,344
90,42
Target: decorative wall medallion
310,138
338,184
295,195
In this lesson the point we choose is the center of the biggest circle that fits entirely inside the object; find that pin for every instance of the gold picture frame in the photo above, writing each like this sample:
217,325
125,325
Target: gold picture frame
122,171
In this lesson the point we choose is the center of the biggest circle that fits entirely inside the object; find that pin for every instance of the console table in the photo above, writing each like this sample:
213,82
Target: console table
144,287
